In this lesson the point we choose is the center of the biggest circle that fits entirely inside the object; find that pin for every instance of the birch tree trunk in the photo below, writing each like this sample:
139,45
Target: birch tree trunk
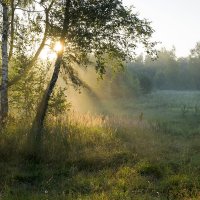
4,83
12,30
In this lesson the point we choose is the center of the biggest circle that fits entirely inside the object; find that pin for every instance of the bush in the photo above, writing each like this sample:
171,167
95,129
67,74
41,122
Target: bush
145,84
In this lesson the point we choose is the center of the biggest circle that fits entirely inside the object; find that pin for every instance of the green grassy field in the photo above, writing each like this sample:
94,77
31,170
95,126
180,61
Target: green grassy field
146,148
175,110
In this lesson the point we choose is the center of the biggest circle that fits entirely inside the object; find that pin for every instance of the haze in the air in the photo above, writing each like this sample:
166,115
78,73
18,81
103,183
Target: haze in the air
175,22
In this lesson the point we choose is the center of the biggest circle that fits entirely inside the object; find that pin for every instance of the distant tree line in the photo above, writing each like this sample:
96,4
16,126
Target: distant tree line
143,75
168,72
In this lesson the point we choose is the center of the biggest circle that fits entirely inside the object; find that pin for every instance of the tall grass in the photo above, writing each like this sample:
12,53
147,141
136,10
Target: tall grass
99,157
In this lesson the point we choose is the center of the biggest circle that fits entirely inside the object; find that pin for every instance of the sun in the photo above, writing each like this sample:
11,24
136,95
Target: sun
50,53
58,47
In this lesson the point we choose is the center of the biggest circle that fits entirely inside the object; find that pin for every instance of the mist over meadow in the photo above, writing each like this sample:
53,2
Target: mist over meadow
93,106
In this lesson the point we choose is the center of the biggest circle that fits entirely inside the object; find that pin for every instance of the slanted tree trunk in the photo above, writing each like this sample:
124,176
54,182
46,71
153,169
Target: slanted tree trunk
36,130
4,89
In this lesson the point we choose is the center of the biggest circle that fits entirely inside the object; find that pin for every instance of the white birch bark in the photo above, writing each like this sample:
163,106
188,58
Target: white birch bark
4,47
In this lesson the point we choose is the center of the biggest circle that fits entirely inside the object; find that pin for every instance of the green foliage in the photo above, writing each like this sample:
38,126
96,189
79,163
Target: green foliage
168,72
95,28
26,94
58,103
145,84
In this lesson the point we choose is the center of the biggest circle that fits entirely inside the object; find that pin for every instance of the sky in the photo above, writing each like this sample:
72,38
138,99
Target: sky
176,22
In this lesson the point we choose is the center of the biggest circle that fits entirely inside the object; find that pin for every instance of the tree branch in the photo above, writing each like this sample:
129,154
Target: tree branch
24,71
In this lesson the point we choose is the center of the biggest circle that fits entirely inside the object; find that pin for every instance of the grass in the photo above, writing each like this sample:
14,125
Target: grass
98,157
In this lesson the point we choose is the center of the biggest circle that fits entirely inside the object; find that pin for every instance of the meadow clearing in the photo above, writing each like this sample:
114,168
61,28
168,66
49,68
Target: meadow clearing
147,148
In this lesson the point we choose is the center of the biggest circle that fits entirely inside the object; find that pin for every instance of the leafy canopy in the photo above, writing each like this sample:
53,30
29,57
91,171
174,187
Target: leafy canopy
101,29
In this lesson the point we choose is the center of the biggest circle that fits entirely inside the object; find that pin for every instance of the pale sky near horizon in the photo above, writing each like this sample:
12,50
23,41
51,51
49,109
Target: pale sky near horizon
176,22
